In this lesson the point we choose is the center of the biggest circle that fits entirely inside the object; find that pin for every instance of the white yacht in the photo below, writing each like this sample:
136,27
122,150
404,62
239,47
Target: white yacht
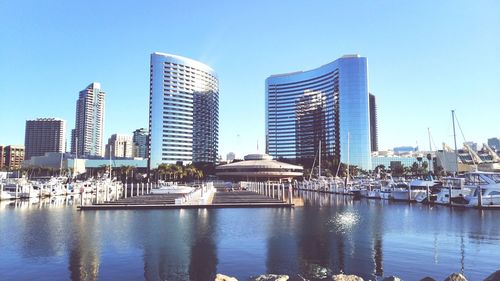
441,194
4,195
172,189
488,183
416,188
387,186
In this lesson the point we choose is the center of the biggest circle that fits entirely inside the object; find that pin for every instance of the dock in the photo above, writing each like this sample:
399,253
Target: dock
221,199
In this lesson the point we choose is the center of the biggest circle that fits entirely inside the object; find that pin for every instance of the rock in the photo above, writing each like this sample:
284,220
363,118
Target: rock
222,277
270,277
456,277
316,271
392,278
298,277
343,277
427,279
495,276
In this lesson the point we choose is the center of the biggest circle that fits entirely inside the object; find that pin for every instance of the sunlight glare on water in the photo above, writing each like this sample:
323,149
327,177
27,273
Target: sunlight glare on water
344,222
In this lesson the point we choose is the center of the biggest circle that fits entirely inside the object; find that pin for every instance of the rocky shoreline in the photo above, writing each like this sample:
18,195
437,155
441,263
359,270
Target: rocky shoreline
495,276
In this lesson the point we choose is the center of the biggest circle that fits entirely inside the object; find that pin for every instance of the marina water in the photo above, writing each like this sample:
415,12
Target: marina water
324,234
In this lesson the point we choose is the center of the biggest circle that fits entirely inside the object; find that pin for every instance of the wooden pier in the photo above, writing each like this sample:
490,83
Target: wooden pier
221,199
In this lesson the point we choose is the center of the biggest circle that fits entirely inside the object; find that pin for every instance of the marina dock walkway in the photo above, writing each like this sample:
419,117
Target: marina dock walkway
221,199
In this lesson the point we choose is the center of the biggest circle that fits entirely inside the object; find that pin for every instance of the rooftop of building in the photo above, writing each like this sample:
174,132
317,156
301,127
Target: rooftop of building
348,56
186,60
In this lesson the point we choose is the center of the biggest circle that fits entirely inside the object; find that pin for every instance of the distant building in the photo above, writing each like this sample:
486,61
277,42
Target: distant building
393,161
373,124
404,149
87,137
183,111
80,166
230,156
140,139
329,104
472,145
494,143
119,146
44,135
11,156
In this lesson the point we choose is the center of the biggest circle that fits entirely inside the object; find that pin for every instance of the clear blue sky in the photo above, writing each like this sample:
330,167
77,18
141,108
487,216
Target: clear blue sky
424,59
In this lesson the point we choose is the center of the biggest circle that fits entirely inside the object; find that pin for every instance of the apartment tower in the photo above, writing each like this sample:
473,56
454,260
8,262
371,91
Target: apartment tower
87,137
183,111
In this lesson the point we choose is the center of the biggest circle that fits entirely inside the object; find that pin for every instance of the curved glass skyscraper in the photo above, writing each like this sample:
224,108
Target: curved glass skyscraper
183,111
327,105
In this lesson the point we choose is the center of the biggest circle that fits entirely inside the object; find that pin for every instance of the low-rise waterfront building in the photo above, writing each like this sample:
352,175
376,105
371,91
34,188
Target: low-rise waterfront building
259,167
78,166
390,160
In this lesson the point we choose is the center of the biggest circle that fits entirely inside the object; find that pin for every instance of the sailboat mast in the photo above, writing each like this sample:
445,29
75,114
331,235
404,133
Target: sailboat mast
75,170
319,162
109,170
348,160
455,138
431,168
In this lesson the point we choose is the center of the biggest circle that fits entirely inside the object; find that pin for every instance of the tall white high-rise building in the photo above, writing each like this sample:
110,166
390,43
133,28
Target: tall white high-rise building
183,111
87,137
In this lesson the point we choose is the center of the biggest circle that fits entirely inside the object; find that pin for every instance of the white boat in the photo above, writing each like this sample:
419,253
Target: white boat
374,193
387,186
172,189
488,183
441,194
408,192
4,195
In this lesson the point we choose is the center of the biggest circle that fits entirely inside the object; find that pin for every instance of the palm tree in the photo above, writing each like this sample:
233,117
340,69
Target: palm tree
103,169
125,170
164,169
177,171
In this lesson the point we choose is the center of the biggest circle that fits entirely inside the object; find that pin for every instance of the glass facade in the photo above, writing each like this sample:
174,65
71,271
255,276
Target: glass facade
327,105
183,111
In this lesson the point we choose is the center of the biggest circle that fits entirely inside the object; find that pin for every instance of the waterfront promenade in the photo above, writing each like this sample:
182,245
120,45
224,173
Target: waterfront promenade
254,195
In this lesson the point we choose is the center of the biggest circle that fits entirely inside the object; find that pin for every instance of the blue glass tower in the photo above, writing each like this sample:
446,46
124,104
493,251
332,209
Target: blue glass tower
327,105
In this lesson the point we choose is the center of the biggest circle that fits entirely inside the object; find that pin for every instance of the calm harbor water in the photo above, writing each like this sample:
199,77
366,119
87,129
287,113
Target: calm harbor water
328,234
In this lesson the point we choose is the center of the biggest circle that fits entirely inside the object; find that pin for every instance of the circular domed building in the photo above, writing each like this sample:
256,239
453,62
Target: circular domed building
259,167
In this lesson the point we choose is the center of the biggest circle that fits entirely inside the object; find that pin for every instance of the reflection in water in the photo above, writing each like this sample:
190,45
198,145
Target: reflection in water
329,234
84,252
203,257
281,246
165,247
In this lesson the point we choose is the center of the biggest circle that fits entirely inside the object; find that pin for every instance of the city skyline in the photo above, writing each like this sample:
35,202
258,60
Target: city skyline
419,70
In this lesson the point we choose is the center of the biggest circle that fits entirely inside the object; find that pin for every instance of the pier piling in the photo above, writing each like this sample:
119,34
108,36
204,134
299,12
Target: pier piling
479,197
